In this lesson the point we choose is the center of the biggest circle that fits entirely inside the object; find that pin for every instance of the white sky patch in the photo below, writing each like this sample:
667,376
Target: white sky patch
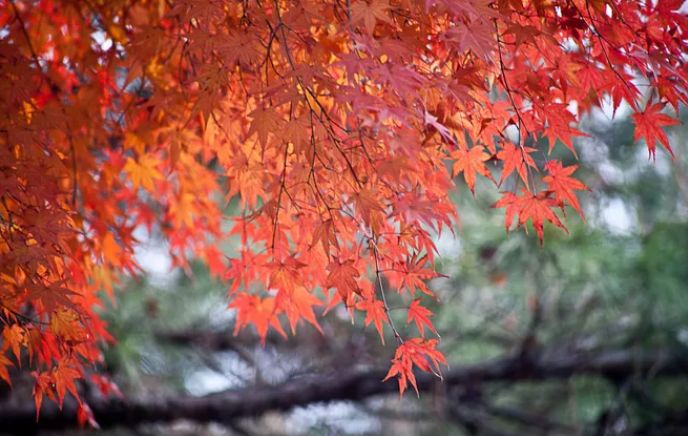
448,245
153,256
102,39
662,163
207,382
611,174
606,110
233,374
684,8
617,216
337,415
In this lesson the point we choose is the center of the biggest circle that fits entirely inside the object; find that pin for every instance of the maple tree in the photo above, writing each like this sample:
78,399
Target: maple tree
331,121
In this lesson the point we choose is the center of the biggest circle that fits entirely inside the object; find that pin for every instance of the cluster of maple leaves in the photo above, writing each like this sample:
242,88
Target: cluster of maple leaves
333,122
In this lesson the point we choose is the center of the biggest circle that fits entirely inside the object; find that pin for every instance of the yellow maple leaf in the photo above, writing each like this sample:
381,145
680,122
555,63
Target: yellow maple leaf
144,172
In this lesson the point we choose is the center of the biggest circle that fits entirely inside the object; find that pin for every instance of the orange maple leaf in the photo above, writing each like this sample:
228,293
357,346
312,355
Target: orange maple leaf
14,337
421,316
63,377
143,172
343,277
375,313
369,12
418,352
298,304
471,162
265,121
325,234
260,312
368,204
298,131
4,373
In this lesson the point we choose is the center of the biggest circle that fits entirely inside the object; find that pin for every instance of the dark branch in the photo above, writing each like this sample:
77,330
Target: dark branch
353,385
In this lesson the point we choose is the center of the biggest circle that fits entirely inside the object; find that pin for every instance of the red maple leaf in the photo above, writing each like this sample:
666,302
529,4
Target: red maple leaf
562,185
648,126
516,158
534,207
477,36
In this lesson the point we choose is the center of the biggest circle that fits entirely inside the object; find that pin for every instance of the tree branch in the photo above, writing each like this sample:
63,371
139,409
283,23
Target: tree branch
354,385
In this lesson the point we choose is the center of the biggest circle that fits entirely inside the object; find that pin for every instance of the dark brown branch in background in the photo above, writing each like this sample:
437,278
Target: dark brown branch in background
218,340
225,340
352,385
